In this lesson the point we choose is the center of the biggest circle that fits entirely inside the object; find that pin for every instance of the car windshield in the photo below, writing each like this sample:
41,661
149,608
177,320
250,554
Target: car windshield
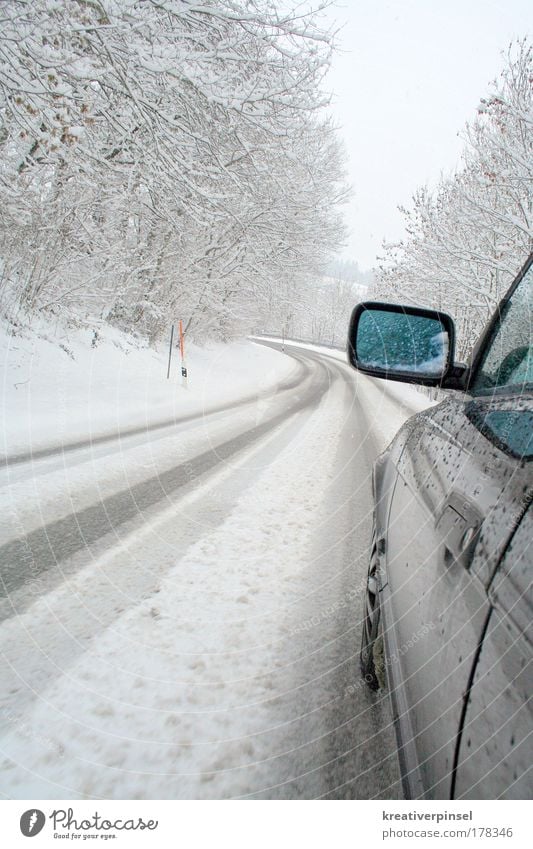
507,365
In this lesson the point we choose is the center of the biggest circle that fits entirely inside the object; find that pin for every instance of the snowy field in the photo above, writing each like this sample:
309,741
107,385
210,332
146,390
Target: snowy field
173,659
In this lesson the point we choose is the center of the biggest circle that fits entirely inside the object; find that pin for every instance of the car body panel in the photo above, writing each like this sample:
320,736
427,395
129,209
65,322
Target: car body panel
495,748
441,482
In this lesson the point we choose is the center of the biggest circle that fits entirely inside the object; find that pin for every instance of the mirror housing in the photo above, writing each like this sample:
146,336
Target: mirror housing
404,343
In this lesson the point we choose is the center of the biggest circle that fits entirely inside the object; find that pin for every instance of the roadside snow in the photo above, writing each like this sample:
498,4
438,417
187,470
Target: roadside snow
58,390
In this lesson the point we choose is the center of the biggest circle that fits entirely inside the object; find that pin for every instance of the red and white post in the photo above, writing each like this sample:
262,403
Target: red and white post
182,355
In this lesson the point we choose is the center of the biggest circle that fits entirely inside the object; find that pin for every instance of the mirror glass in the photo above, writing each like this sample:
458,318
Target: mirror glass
396,341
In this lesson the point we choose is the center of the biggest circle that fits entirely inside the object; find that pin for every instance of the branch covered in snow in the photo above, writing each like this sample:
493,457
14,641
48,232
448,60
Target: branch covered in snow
163,158
468,239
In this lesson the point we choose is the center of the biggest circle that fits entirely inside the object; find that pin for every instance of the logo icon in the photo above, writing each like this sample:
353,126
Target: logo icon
32,822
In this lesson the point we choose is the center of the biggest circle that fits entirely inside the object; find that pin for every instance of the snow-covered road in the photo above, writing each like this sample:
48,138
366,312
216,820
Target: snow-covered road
182,605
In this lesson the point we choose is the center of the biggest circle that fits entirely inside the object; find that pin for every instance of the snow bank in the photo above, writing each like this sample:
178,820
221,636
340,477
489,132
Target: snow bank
61,389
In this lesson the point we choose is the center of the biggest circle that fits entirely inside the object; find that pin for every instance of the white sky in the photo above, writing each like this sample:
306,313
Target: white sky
409,75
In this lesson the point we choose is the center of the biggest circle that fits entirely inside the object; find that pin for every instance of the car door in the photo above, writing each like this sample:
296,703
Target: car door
459,481
496,742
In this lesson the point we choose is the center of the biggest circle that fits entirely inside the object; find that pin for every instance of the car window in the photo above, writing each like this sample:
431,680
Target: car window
510,427
508,361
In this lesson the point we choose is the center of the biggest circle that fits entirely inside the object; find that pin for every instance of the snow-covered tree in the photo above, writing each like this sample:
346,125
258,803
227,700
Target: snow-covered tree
467,239
162,158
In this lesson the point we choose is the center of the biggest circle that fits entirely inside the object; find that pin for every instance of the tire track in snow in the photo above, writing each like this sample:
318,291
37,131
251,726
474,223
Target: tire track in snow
147,430
24,560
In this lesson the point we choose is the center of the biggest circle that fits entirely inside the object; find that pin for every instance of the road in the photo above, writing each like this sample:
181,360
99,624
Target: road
181,606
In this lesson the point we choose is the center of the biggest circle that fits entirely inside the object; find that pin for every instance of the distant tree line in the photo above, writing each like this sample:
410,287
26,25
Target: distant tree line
319,310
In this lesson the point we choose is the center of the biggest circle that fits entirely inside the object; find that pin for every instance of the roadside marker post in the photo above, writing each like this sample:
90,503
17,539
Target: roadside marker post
182,353
170,351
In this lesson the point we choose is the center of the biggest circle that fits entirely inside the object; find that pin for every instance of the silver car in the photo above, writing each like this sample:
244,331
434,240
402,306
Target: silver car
449,611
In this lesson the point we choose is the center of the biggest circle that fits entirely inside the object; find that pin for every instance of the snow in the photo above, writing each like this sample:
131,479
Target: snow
174,699
156,667
388,404
109,390
101,387
61,389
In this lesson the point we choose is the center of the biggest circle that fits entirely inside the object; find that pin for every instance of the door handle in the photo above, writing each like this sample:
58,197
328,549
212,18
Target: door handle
458,526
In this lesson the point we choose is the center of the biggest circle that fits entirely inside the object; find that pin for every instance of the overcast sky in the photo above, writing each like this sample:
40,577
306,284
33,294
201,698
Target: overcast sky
408,76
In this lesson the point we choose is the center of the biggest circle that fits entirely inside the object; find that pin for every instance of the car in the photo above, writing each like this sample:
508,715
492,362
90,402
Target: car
447,623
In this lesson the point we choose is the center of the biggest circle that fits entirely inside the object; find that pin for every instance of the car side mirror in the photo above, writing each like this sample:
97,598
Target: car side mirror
396,342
